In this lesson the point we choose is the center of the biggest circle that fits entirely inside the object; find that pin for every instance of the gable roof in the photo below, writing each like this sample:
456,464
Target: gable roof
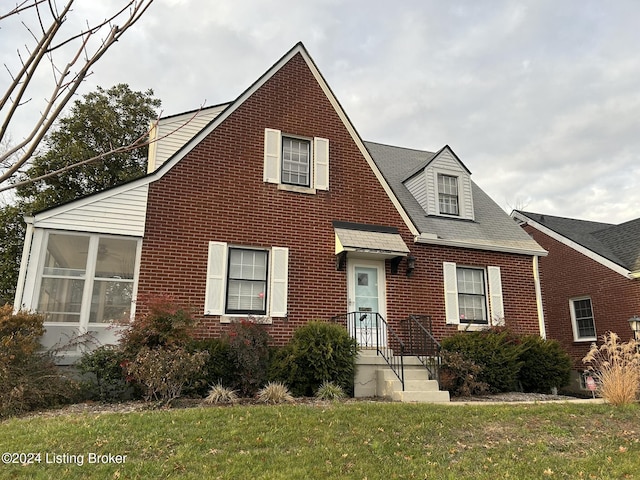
492,228
227,109
615,246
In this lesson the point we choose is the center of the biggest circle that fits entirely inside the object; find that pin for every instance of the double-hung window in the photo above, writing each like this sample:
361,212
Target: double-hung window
472,299
246,281
295,163
296,166
473,295
448,194
584,328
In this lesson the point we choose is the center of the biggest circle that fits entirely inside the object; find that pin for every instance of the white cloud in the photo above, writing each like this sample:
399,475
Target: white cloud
539,99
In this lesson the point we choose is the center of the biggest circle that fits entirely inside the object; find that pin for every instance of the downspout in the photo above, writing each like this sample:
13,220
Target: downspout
26,251
536,279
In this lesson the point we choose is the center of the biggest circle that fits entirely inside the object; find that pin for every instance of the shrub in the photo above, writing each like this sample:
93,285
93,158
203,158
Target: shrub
496,350
248,353
545,365
330,391
615,366
108,378
165,325
29,378
460,375
216,370
221,394
274,392
318,352
163,372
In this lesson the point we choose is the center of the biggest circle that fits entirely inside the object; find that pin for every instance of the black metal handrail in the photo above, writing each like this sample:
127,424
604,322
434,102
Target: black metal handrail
422,344
371,330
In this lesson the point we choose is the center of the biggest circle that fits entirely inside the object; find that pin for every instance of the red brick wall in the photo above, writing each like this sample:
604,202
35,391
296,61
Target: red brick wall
566,273
216,193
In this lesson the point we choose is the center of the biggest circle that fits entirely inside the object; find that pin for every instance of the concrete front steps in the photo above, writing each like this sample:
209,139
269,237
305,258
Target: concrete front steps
417,386
374,378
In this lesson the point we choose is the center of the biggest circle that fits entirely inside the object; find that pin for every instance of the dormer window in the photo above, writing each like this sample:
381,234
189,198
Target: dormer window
448,194
295,161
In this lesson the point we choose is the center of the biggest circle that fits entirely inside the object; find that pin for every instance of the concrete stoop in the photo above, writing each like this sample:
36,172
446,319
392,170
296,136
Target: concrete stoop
374,378
417,386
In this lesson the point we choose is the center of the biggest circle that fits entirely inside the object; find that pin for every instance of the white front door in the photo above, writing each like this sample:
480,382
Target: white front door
367,305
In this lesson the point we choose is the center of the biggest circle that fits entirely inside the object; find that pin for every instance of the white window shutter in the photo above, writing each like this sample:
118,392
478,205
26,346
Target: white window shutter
272,155
496,305
279,281
321,163
216,279
451,293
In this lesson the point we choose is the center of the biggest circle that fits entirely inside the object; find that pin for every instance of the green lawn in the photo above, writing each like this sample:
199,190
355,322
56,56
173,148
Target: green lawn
354,440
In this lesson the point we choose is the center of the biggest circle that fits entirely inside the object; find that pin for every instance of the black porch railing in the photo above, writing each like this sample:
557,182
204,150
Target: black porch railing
372,331
422,344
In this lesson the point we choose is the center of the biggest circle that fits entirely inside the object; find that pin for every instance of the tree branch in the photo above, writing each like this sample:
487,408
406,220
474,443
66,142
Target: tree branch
142,141
66,83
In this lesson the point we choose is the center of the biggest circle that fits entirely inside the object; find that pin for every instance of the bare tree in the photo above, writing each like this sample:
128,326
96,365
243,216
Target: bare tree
69,57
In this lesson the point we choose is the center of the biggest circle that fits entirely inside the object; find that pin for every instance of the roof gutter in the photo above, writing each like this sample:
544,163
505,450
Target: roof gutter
430,239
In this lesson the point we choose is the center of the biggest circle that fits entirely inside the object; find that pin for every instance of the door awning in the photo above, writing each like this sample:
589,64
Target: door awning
364,240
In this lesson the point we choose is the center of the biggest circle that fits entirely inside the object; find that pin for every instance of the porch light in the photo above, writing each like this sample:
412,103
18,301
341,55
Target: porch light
634,323
411,265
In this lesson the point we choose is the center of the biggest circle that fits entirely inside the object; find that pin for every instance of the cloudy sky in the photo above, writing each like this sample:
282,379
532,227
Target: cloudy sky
540,99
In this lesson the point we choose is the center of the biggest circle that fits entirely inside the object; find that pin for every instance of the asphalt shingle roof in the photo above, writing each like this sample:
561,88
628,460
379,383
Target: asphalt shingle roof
492,228
617,243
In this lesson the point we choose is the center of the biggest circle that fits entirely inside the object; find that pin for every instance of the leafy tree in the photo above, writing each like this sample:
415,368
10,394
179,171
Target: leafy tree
103,120
11,240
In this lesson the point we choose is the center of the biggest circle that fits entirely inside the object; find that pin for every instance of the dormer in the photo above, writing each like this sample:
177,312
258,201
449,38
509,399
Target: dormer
443,186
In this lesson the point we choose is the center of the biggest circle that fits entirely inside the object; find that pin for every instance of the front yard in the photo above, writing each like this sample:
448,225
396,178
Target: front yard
349,440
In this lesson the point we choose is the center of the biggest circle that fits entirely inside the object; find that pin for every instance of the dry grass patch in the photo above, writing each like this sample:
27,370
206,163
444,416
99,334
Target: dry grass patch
615,366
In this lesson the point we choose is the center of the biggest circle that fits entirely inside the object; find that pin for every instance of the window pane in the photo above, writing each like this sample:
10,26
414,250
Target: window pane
66,255
246,296
110,301
295,161
61,299
116,258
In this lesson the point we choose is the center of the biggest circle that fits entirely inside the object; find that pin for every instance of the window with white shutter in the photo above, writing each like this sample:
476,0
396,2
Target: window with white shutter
296,163
246,281
470,292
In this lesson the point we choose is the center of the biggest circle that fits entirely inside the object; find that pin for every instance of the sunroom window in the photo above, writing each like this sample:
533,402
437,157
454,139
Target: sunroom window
87,279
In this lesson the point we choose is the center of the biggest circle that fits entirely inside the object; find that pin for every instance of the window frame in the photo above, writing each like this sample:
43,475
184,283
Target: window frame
276,295
444,195
309,144
484,296
231,311
575,319
89,277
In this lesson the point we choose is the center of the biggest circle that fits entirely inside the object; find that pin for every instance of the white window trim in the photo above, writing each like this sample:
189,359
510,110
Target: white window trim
318,162
493,297
574,324
216,284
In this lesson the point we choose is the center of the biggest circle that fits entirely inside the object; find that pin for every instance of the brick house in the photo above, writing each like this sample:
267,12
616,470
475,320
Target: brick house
590,279
272,206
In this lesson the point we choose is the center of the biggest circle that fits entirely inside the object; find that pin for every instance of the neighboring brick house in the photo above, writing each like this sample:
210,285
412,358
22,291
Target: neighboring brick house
271,206
590,279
